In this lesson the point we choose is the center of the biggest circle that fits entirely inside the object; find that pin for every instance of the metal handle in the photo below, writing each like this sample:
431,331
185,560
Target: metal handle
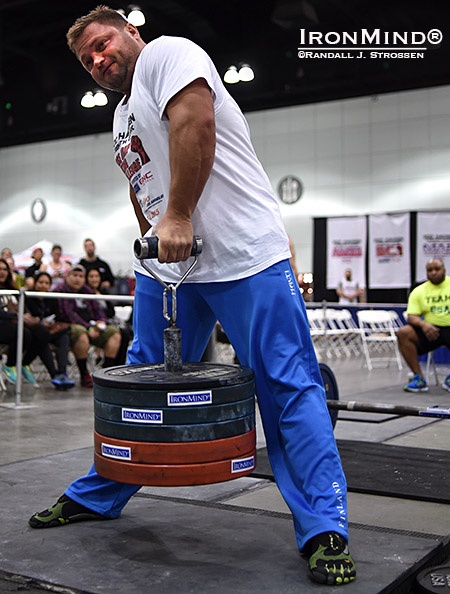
146,248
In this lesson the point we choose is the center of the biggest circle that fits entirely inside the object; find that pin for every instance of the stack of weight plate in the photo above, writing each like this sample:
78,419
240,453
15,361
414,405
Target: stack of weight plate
191,427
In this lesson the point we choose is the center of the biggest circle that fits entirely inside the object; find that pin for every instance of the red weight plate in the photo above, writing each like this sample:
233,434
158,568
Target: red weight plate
174,475
186,452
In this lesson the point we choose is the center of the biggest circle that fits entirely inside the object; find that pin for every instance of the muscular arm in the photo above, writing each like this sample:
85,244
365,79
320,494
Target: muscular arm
192,138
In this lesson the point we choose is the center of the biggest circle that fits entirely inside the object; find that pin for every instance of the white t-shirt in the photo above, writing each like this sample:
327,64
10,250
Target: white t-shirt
348,287
237,215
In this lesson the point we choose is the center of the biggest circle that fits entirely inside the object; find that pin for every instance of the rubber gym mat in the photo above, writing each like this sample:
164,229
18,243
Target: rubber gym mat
163,544
395,471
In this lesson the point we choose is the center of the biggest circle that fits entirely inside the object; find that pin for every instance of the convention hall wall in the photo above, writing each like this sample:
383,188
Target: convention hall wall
385,153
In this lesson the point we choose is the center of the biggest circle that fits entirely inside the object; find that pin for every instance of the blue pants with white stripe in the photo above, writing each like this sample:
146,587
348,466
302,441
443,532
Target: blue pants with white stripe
265,319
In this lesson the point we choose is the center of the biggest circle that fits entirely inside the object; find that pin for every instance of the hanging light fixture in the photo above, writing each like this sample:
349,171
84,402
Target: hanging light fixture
136,17
88,100
100,98
246,74
234,75
231,75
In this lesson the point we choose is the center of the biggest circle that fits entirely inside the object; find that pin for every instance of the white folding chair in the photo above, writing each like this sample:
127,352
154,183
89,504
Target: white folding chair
378,337
317,329
352,335
431,364
336,333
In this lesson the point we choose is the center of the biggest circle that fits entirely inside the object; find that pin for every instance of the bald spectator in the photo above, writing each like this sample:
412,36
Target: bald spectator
428,324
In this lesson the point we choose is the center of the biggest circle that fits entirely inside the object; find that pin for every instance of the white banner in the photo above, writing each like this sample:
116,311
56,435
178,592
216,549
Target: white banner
389,251
433,241
346,248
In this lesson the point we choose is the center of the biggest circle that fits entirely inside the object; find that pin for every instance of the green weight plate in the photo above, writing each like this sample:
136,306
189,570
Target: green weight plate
172,416
175,433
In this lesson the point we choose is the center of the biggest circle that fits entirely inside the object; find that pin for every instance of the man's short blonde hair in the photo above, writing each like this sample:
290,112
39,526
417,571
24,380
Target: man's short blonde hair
101,14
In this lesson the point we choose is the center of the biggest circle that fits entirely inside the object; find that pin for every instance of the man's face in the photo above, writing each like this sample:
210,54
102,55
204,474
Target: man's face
89,248
435,272
348,274
75,280
109,54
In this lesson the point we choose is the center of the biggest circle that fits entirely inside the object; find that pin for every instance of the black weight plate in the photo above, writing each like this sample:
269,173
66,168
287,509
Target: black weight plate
435,579
158,397
175,433
172,416
331,389
192,376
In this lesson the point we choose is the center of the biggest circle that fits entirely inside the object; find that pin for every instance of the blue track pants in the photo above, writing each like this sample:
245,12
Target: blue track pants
265,319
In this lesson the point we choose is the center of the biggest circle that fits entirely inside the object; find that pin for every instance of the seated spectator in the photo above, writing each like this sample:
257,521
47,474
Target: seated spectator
428,324
46,309
18,279
88,324
348,289
56,268
6,253
37,254
93,280
34,342
91,260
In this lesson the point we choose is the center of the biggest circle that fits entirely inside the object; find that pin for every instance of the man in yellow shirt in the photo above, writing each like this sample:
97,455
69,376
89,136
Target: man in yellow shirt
428,324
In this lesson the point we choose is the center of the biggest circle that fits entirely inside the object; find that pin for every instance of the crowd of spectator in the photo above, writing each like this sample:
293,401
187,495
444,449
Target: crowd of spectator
55,326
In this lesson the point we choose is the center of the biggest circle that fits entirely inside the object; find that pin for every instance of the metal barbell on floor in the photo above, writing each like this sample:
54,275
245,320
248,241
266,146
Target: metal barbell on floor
396,409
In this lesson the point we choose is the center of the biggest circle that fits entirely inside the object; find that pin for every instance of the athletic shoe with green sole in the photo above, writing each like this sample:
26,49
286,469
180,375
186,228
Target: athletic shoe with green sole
10,373
329,561
65,511
446,383
417,384
28,374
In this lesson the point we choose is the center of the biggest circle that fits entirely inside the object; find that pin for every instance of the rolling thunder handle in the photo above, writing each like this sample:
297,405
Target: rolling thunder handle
146,248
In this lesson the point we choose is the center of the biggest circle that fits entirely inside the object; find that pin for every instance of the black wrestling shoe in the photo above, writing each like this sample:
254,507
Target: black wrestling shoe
65,511
329,561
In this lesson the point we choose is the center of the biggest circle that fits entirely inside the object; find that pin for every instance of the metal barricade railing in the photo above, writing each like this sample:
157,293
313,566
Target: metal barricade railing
22,294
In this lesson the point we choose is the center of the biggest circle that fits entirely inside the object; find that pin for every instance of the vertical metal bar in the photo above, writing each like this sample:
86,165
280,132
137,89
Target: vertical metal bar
20,312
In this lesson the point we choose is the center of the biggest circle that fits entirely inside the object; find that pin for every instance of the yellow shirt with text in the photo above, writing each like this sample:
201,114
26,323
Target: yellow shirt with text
432,302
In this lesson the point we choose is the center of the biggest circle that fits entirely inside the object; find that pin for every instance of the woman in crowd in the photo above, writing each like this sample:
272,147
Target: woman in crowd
56,268
93,280
46,309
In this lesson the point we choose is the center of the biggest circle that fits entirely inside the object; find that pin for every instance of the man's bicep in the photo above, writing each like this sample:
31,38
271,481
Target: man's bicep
195,97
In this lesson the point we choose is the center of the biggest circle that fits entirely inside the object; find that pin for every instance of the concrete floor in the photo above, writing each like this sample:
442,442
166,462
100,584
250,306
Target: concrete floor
241,530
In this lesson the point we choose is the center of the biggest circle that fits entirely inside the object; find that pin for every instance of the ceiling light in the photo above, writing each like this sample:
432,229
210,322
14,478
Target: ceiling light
231,76
88,99
246,74
136,17
100,98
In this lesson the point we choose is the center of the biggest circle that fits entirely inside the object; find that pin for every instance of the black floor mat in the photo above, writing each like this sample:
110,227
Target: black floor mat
396,471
